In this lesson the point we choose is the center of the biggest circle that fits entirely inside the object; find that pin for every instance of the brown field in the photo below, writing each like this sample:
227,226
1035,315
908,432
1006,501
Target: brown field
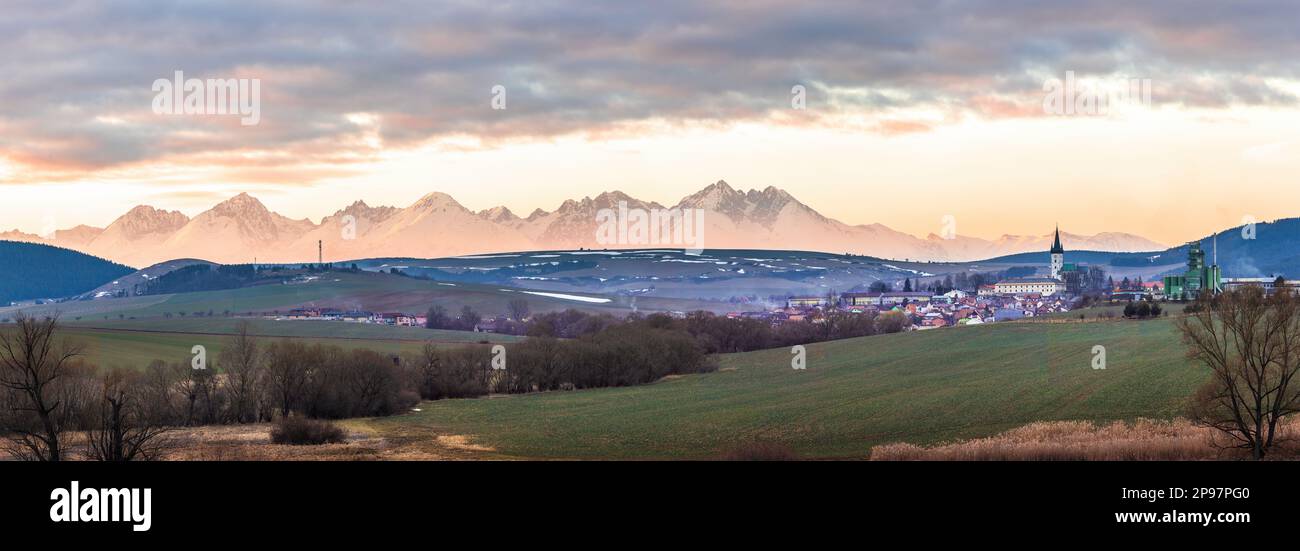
1141,440
252,442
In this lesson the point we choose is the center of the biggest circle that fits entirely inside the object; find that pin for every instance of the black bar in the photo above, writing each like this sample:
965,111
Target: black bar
397,499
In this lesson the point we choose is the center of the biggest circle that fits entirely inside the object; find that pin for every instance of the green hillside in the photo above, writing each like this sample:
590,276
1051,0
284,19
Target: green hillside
35,271
922,387
375,292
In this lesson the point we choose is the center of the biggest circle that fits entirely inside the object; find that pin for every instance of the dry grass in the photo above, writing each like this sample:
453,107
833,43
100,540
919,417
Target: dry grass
461,442
252,442
1141,440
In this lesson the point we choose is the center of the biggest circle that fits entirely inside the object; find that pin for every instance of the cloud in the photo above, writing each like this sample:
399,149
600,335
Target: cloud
76,93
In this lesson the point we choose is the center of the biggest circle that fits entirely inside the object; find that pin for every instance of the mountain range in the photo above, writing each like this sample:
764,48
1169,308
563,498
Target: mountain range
242,229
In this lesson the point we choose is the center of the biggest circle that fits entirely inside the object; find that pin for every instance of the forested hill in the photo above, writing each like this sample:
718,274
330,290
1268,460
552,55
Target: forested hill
31,270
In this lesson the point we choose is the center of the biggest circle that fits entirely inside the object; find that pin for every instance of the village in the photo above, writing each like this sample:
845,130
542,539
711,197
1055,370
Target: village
923,309
1006,300
354,316
1065,287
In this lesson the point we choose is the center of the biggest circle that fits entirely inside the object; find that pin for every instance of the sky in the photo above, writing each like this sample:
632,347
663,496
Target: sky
910,111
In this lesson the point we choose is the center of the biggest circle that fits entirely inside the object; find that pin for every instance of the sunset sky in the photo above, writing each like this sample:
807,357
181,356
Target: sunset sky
913,111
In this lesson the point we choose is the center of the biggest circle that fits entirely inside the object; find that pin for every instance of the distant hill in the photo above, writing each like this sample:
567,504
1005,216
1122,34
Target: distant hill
1088,257
34,271
1273,249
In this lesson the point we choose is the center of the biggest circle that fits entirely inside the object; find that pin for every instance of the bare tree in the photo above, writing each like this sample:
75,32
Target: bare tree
518,308
289,366
428,365
241,360
158,387
198,389
31,365
129,426
367,380
1251,343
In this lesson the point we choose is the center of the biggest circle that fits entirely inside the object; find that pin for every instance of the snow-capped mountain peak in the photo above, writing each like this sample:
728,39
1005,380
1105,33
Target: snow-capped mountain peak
242,228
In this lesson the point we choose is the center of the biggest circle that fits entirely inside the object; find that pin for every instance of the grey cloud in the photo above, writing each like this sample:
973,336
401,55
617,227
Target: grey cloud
427,68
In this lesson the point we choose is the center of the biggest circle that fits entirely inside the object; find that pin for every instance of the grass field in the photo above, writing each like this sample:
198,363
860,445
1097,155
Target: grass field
1112,310
375,292
922,387
135,349
337,330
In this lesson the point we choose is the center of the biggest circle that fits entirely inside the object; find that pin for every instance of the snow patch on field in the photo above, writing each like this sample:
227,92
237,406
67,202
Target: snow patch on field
917,272
567,297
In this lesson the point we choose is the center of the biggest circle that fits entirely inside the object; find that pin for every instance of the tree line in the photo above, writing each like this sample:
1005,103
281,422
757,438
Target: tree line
722,334
714,333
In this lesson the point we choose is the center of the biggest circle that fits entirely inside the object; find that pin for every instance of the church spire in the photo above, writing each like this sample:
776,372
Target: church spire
1056,244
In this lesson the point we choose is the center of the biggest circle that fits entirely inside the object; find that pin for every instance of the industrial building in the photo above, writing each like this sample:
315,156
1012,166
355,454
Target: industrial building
1197,279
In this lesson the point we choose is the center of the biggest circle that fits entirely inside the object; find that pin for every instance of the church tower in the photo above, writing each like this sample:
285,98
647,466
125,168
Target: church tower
1058,255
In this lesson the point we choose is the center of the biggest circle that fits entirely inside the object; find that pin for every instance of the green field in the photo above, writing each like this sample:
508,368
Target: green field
135,349
376,292
1113,310
336,330
135,343
920,387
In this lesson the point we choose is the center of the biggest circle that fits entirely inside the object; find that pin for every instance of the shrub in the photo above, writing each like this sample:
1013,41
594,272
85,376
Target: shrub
301,431
891,322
